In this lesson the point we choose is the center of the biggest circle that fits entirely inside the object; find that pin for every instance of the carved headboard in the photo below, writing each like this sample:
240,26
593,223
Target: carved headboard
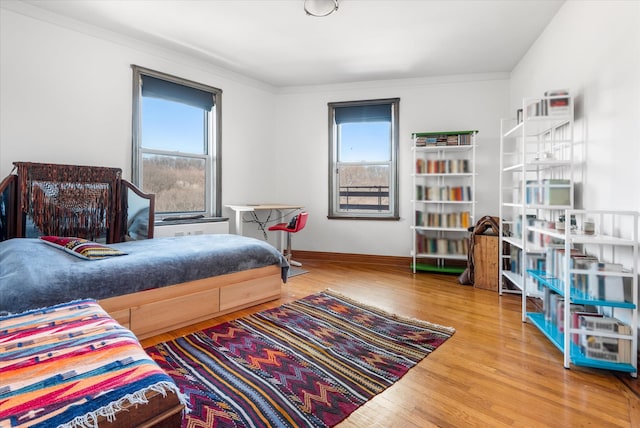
73,200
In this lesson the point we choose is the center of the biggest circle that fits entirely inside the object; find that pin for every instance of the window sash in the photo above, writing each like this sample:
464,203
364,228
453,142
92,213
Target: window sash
207,179
361,199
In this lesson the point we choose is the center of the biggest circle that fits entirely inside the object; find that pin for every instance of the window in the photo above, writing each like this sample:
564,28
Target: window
363,148
176,143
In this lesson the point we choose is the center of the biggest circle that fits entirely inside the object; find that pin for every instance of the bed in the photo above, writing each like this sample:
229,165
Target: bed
159,285
71,365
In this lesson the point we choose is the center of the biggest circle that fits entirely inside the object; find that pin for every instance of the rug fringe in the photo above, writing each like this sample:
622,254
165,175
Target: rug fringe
90,420
427,324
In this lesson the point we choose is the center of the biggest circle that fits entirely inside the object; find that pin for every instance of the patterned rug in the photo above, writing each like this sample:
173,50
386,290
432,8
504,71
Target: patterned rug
309,363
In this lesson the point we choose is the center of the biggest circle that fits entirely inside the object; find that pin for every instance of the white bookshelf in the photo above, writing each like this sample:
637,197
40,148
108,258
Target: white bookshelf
443,186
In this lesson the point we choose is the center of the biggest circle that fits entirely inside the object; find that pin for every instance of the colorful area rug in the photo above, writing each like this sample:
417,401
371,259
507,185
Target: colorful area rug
309,363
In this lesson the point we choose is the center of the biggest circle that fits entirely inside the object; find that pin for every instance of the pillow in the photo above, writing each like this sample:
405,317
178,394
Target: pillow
82,248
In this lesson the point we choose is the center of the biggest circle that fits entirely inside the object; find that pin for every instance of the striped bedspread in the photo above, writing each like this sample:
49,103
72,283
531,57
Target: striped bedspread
69,364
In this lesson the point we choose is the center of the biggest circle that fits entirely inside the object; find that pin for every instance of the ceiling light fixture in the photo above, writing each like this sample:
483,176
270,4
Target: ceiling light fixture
320,8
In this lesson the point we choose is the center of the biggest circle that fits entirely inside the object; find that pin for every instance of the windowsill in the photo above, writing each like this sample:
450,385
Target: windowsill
355,217
190,221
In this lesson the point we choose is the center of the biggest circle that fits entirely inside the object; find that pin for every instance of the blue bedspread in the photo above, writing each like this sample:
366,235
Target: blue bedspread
34,274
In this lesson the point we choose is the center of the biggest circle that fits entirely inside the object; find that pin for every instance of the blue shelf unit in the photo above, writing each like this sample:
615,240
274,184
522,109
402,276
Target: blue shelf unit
556,337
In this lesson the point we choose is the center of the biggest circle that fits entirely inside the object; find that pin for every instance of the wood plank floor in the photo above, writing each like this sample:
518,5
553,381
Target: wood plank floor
495,371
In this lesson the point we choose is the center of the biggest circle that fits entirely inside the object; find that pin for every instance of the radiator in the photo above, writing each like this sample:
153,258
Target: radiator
206,228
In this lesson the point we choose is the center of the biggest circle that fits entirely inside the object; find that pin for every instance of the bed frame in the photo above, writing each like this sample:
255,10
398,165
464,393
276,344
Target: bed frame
151,312
99,197
158,412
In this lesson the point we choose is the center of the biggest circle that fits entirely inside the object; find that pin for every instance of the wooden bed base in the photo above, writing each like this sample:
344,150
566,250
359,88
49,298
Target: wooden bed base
152,312
160,412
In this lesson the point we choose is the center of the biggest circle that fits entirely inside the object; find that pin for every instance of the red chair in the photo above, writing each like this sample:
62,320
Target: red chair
296,224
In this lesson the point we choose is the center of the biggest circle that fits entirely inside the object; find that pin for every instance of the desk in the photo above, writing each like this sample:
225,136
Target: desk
252,208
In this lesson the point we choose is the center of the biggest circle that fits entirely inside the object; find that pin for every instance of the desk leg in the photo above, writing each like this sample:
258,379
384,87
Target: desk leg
239,222
281,237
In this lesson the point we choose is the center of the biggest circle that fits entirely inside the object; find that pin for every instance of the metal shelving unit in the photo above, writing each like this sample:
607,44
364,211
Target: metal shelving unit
536,160
537,184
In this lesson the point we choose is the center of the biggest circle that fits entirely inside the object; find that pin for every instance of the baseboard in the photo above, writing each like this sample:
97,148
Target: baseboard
355,258
350,258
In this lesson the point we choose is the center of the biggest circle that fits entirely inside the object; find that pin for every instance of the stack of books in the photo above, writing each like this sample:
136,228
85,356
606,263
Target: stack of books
612,349
589,277
557,102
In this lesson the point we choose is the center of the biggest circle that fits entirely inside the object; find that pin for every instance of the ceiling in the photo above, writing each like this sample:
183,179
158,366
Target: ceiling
275,42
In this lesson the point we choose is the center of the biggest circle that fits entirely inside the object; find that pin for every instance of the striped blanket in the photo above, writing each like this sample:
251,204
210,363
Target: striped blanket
71,364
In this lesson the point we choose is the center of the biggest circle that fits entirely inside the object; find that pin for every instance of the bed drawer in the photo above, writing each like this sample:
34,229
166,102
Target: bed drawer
247,292
122,316
172,313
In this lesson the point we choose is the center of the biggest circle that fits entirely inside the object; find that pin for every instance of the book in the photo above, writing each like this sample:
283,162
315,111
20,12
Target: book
556,191
575,322
560,313
604,324
612,349
606,287
580,281
557,102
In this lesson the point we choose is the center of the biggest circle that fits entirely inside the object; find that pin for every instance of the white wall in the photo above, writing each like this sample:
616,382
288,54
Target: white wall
592,48
451,103
66,97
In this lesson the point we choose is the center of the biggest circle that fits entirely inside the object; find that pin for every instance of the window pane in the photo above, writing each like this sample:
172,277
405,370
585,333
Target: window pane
178,182
172,126
363,188
364,142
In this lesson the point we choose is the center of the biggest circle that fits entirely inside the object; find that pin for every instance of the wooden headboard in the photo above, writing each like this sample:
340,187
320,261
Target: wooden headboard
89,202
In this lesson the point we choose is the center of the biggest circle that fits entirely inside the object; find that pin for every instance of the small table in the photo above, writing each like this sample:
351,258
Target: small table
252,208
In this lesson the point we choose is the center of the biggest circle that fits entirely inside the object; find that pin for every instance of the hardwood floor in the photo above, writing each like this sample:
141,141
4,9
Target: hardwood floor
495,370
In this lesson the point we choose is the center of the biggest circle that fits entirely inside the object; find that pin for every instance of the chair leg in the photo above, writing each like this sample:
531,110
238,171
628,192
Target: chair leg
288,253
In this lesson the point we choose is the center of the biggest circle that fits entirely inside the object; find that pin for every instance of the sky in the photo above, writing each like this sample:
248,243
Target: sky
365,141
167,124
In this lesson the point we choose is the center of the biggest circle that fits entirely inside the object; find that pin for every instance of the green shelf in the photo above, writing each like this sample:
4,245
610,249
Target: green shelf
433,134
423,267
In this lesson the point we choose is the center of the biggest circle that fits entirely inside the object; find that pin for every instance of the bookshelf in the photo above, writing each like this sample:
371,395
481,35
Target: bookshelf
536,184
443,199
582,265
590,290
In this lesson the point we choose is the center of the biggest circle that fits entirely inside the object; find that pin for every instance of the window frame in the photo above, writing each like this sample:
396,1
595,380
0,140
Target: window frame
213,161
334,211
